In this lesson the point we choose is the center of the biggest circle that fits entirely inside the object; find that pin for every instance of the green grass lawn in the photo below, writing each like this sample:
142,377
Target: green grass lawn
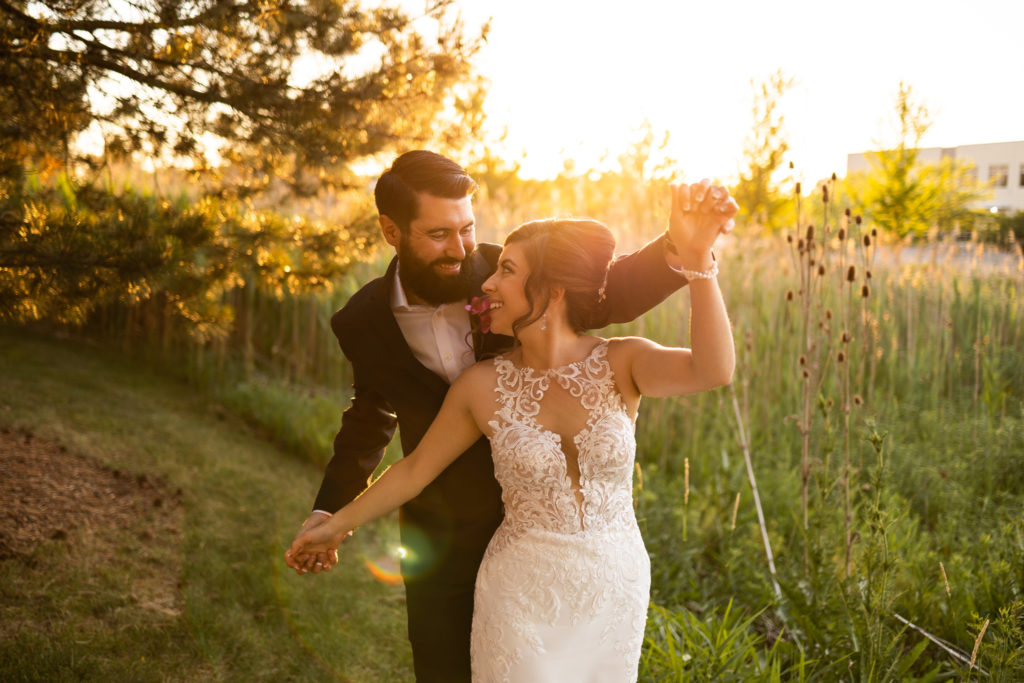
72,610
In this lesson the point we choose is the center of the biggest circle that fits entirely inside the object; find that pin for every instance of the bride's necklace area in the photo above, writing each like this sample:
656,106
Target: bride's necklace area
518,360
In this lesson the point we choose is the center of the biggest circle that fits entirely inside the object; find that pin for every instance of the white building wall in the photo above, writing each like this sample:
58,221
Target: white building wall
999,157
988,159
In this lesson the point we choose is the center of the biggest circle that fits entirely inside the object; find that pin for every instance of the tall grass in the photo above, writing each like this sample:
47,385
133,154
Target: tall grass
886,419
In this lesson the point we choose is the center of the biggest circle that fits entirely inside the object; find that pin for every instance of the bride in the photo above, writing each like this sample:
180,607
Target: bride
563,588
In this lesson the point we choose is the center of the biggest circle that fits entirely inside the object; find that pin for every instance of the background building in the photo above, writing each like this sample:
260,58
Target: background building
1000,163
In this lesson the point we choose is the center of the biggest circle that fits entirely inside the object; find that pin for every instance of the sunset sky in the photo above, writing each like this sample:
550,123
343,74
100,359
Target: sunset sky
578,79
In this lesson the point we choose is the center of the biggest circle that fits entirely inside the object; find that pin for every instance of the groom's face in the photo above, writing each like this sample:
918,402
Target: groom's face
433,252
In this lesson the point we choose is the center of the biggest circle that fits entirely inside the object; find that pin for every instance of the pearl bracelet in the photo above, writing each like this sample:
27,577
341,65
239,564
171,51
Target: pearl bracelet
709,274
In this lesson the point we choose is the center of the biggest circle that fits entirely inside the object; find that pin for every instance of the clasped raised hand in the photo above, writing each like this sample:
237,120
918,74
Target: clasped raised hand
700,213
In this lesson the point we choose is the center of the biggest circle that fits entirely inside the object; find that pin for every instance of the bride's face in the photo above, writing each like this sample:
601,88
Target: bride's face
507,289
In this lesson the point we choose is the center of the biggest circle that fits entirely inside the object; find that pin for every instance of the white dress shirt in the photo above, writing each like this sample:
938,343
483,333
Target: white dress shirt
438,336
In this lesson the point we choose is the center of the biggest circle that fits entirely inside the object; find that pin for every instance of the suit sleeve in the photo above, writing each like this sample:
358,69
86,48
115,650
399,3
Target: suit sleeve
366,430
638,282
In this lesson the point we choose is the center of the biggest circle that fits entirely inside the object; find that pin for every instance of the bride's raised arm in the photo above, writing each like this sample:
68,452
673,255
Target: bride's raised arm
451,433
700,212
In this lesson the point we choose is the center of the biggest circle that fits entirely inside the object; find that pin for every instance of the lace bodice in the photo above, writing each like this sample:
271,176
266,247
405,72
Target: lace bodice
536,473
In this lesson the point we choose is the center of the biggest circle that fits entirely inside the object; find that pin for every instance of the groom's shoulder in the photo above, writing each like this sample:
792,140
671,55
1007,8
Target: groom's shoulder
361,304
490,252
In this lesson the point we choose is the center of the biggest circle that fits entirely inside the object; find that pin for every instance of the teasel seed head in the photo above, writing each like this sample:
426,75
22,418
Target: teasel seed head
810,233
851,273
841,234
798,188
840,357
857,400
833,177
846,338
865,291
802,360
828,314
867,274
824,193
857,219
789,295
806,374
821,269
867,241
846,212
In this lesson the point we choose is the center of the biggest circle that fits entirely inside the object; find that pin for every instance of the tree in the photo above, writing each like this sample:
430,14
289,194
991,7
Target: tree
758,192
905,197
177,78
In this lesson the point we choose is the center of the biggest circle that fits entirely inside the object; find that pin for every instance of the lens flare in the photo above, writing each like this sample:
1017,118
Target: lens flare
385,568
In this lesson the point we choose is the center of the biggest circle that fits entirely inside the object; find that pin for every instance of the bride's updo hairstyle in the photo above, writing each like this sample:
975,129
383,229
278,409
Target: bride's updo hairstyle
572,253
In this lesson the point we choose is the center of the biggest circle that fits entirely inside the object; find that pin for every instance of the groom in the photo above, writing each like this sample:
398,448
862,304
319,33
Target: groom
408,336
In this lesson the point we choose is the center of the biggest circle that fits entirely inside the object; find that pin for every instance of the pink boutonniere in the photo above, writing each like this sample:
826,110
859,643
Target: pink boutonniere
480,306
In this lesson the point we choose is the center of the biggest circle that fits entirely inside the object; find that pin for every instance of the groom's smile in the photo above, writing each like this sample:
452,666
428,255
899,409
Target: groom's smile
434,248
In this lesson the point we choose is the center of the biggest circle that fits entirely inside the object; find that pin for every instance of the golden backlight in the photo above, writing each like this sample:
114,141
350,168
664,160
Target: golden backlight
578,80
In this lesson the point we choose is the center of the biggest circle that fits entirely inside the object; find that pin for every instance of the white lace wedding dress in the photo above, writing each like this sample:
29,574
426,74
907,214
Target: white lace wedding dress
563,588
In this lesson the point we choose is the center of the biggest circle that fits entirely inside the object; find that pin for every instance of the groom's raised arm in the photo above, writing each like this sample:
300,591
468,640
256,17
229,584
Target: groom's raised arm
640,281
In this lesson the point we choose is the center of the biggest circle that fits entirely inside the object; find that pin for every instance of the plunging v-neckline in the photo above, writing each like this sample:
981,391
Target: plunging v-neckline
575,380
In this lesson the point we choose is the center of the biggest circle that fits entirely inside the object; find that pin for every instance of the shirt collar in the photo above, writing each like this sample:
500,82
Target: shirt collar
398,298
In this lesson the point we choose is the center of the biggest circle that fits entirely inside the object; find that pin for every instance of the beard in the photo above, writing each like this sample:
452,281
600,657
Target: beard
421,278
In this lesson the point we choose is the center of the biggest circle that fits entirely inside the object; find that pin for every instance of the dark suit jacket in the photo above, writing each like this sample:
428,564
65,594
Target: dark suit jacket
449,525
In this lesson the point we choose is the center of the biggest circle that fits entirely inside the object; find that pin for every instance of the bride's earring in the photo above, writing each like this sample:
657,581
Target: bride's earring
544,322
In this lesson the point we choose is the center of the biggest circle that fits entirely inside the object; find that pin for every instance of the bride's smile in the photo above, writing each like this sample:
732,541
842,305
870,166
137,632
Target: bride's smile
506,290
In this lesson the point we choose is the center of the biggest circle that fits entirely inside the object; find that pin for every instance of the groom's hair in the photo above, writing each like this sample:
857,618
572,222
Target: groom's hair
419,171
571,253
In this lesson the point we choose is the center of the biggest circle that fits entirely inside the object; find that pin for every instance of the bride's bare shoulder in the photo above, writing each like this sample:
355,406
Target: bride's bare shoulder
622,354
477,377
625,348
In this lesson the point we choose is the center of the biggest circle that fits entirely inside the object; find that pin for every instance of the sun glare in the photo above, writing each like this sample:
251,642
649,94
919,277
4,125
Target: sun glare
574,82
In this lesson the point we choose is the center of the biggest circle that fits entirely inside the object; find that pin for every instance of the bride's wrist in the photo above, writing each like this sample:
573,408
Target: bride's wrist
697,260
695,265
685,258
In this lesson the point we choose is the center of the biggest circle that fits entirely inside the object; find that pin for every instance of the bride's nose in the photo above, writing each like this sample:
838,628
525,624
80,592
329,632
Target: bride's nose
488,285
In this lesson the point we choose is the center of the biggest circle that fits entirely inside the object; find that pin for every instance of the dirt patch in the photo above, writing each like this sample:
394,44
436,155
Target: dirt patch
47,492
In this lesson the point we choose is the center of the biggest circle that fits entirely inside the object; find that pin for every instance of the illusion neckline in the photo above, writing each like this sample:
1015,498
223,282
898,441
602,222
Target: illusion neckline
561,368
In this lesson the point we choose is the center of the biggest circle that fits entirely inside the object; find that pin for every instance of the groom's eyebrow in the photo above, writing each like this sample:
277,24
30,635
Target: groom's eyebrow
437,229
445,227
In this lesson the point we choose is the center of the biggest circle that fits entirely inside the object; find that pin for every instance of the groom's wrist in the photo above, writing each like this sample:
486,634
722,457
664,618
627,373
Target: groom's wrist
319,515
